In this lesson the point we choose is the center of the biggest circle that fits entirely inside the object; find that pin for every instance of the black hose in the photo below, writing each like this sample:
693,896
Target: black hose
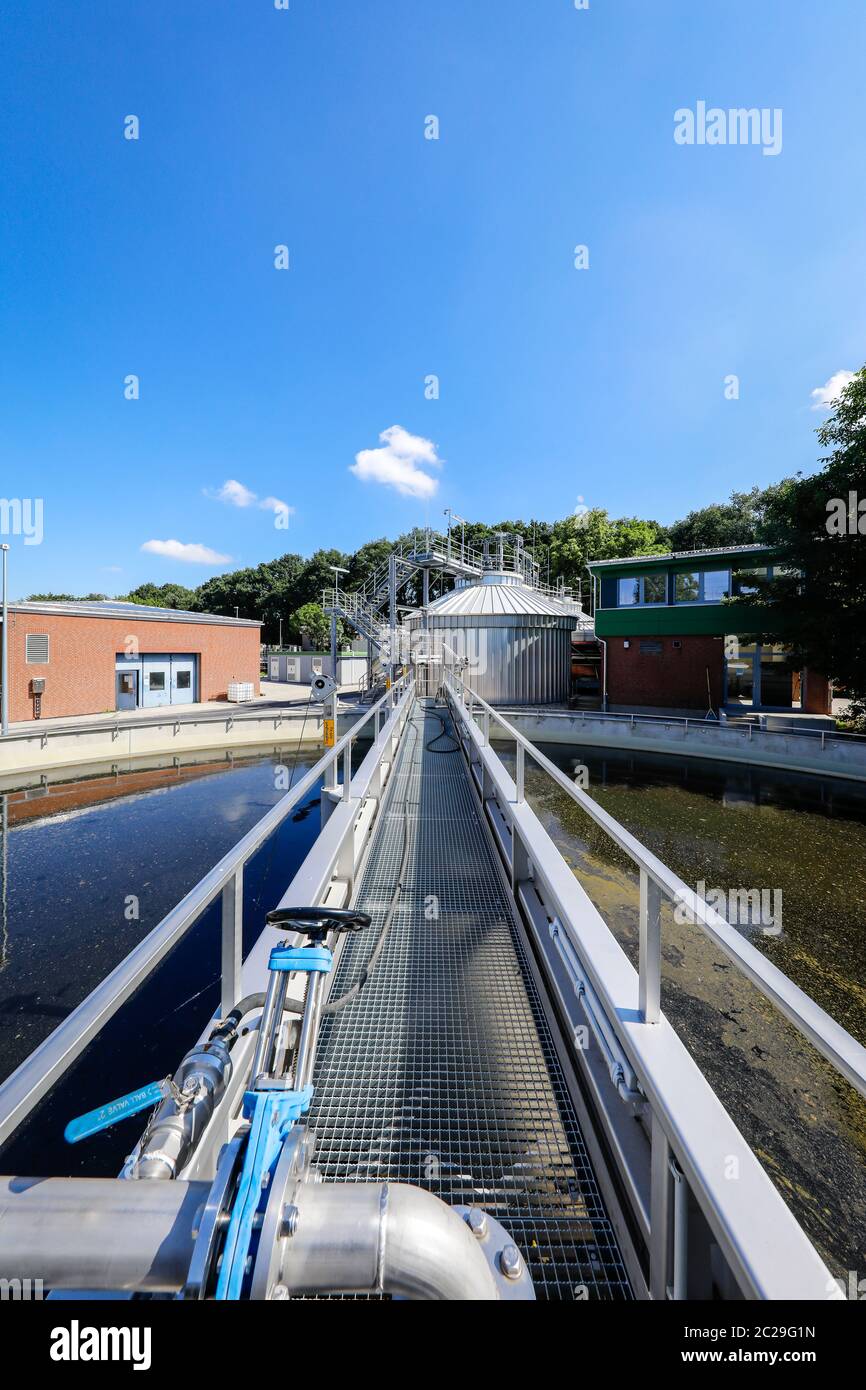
334,1005
443,733
227,1029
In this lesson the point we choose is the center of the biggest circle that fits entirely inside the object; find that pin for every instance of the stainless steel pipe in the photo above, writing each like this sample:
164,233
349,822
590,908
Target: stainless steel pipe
99,1233
382,1238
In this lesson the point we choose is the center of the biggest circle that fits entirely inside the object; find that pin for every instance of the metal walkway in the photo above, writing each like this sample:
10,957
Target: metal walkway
443,1072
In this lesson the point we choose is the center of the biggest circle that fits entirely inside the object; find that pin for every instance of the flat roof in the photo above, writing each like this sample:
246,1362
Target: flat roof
681,555
115,608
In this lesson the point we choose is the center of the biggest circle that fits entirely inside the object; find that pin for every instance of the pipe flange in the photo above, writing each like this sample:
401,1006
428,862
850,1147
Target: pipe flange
281,1213
506,1263
214,1220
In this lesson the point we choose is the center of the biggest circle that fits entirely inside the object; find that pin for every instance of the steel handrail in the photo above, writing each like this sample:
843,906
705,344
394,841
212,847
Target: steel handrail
686,722
836,1045
242,715
27,1085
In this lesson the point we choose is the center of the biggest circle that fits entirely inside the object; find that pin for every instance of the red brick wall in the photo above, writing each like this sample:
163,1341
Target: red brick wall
674,679
79,677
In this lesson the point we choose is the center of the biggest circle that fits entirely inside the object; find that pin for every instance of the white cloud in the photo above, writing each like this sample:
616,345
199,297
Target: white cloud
190,554
397,465
823,396
237,495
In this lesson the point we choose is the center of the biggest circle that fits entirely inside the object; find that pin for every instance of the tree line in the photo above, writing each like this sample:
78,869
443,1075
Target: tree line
792,515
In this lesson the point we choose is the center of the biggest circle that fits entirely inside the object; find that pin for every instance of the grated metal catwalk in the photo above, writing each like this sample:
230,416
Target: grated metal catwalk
442,1071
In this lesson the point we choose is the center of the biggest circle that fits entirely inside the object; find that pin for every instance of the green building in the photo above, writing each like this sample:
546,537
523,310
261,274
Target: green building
673,641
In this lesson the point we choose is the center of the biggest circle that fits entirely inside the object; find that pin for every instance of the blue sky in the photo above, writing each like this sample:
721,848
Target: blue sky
410,257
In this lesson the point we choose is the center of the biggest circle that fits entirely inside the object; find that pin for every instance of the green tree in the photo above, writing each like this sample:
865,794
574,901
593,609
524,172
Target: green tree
163,596
311,621
736,522
595,536
818,528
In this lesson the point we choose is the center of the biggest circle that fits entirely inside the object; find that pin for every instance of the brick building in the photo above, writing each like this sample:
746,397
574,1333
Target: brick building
672,642
94,658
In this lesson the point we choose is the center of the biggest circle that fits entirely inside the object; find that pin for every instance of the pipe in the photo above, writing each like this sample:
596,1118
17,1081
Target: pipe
383,1238
177,1125
99,1233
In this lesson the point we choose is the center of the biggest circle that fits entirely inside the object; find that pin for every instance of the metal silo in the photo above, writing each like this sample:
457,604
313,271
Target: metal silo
516,641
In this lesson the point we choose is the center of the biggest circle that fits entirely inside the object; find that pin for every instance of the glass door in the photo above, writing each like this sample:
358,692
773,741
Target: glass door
739,673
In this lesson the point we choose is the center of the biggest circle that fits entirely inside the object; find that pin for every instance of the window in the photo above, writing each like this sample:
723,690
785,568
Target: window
742,585
36,648
652,588
183,680
655,588
156,680
651,648
687,588
717,585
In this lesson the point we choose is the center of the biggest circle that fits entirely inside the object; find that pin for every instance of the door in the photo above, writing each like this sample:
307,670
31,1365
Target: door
126,689
157,681
274,668
182,680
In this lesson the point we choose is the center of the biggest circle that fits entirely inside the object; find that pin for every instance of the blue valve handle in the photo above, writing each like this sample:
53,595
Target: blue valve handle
107,1115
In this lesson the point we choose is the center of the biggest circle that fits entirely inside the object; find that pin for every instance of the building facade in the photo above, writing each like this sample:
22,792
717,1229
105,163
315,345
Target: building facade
672,641
95,658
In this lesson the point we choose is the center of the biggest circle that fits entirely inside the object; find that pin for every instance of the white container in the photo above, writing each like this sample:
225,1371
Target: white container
240,691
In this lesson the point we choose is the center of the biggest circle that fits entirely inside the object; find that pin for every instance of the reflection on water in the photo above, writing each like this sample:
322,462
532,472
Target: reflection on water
733,827
88,870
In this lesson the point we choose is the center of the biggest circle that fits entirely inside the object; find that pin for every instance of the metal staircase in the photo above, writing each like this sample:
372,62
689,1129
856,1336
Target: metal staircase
372,610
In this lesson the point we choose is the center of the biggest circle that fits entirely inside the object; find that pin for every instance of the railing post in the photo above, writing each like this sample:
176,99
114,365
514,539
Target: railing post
347,770
650,946
679,1283
660,1212
487,728
232,940
520,771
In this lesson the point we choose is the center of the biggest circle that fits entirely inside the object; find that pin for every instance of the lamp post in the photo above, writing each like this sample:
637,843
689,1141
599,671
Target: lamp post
452,517
4,650
338,570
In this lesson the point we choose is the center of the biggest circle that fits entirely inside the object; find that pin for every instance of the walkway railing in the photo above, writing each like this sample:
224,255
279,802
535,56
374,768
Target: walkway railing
47,1063
657,881
697,723
693,1143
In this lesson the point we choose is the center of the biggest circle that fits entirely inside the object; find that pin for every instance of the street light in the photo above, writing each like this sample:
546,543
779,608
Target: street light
338,570
452,517
4,651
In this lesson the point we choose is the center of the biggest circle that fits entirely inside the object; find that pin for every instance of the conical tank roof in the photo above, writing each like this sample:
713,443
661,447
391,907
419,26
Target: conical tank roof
491,599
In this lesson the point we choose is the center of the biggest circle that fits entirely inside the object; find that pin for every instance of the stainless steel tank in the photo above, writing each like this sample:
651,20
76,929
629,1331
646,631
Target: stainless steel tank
516,641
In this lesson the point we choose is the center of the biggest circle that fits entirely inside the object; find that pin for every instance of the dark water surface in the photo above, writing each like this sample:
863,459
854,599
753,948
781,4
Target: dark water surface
736,827
72,871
